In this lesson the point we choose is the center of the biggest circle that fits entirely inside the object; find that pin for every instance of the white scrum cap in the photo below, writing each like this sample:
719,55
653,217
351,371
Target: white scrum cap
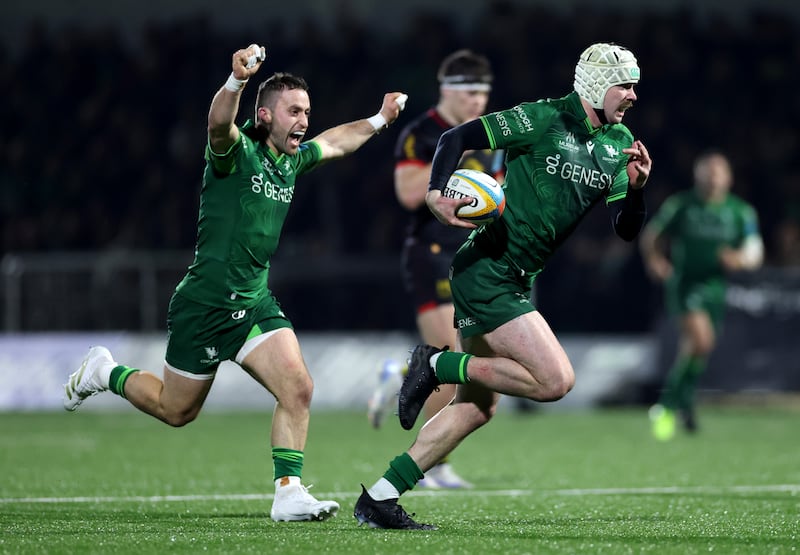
600,67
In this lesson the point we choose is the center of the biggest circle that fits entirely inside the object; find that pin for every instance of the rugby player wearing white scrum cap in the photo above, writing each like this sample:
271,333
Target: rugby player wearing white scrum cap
563,156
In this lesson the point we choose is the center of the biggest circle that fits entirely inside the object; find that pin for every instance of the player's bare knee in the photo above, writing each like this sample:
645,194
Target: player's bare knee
487,414
557,386
563,387
181,418
480,420
299,395
482,415
305,391
475,414
703,347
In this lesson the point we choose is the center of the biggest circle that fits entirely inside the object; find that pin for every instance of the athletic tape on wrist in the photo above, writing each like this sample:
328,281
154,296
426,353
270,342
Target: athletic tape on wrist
377,121
233,84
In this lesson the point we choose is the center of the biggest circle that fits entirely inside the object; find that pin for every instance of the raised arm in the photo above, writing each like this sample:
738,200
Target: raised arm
348,137
222,131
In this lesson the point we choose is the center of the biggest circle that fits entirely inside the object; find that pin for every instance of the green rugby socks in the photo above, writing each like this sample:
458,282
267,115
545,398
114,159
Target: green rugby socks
451,367
681,382
694,368
119,375
403,473
287,462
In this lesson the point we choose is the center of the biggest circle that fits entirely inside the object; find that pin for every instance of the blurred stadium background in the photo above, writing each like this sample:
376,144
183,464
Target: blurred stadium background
103,128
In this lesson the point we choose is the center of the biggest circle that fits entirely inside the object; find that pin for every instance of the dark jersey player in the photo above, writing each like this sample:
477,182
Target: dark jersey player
465,79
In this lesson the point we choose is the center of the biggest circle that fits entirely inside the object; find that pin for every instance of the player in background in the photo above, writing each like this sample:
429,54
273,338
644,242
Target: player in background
223,309
563,157
465,81
696,238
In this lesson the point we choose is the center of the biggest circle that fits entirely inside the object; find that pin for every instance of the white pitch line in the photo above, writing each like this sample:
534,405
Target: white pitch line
779,488
140,498
793,489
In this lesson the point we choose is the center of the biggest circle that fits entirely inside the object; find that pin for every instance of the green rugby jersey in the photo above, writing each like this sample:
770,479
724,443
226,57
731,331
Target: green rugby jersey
557,168
698,229
244,201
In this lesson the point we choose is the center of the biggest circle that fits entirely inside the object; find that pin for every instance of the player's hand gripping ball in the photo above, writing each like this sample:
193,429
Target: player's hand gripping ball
488,197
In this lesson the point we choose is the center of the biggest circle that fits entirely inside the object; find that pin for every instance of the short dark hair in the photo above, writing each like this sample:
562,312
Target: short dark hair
465,66
277,82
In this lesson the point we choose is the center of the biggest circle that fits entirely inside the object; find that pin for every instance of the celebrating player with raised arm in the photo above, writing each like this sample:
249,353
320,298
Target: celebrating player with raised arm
223,308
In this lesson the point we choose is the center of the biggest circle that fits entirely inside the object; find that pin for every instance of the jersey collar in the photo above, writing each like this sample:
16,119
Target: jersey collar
275,159
575,107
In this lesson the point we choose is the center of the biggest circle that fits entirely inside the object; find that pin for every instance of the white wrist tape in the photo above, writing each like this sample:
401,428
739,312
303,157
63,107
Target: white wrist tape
233,84
377,121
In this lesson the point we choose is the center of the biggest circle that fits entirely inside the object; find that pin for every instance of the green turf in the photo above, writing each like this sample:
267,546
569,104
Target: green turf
551,482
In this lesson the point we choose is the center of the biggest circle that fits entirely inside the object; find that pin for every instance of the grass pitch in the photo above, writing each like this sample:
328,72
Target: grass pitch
550,482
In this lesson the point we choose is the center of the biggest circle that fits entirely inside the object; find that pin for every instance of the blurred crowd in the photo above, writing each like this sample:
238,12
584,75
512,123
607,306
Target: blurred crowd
103,136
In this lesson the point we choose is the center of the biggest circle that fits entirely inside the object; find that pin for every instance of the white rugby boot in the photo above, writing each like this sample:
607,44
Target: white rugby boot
293,502
86,381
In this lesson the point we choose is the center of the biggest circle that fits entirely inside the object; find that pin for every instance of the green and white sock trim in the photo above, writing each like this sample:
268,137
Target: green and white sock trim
451,367
119,375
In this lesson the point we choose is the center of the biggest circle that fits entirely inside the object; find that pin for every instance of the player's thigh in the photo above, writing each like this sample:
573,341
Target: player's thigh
436,326
700,306
528,340
697,330
183,392
277,363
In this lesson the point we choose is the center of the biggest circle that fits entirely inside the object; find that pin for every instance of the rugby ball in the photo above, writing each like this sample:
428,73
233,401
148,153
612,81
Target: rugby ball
488,197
